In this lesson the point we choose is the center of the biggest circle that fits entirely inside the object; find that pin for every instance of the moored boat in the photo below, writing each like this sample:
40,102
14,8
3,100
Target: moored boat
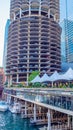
3,106
15,108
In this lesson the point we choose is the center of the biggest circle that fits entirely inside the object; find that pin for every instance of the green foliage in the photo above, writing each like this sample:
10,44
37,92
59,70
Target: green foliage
37,85
20,85
11,85
29,84
62,86
71,85
33,75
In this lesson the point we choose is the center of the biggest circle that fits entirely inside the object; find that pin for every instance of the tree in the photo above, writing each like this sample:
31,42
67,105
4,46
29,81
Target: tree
33,75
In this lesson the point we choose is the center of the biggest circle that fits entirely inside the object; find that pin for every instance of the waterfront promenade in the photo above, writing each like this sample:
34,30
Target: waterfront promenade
60,99
54,101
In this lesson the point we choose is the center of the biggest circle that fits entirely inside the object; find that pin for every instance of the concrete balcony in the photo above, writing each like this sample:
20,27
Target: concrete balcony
22,71
22,63
22,67
13,68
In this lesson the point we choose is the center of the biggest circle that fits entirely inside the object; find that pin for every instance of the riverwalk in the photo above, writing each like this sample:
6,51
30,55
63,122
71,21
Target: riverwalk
55,102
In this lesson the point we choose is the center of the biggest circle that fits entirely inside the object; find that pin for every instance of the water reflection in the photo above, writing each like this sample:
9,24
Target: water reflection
10,121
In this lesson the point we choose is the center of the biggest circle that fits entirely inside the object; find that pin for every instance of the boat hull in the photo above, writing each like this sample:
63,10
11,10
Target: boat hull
3,109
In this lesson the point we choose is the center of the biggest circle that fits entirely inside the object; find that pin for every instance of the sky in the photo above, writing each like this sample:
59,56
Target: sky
4,15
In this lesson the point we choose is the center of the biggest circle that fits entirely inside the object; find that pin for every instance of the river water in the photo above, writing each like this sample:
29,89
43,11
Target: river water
9,121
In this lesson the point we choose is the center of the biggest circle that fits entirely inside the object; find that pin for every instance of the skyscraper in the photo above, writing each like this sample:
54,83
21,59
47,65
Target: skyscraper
34,38
5,44
67,41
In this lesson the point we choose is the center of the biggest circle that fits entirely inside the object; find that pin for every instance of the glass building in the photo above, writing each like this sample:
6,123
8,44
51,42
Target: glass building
5,44
34,39
67,41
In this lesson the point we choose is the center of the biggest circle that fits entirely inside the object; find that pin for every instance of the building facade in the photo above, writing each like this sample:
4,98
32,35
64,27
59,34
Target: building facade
34,39
67,41
2,77
5,44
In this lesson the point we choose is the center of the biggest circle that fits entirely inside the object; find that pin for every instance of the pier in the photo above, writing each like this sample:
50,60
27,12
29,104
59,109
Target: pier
50,107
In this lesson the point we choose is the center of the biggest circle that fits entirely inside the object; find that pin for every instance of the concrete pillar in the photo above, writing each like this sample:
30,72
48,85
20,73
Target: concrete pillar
25,108
29,9
15,100
40,8
49,13
34,112
54,17
27,83
27,77
49,120
20,12
68,121
17,78
8,99
10,79
52,84
72,122
14,16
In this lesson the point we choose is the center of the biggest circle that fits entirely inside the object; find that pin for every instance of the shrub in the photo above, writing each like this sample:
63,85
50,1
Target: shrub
20,85
11,85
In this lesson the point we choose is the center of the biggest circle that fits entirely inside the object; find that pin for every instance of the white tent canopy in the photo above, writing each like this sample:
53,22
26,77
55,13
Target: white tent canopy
45,78
68,75
55,76
36,79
